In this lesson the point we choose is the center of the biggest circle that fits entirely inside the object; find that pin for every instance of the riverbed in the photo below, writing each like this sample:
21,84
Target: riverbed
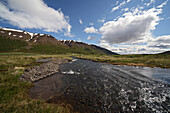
104,88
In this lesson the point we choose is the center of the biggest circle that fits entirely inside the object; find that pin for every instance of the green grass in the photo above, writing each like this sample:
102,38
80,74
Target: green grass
19,53
16,45
162,61
8,45
51,49
14,93
85,50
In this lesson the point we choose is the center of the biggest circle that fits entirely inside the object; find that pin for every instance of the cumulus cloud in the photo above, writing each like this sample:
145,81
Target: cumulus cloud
133,49
155,45
80,21
131,33
132,27
162,42
110,47
34,14
91,38
90,30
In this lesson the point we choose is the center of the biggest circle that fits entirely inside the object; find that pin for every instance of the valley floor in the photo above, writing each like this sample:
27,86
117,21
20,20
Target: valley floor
162,61
13,92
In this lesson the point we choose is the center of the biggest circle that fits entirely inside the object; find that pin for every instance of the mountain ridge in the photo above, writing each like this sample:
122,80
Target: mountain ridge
165,53
45,43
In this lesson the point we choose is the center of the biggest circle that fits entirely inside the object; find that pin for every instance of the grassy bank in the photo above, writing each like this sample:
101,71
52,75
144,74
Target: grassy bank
162,61
14,93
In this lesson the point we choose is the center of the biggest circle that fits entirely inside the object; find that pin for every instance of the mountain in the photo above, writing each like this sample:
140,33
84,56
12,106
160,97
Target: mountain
12,40
74,44
165,53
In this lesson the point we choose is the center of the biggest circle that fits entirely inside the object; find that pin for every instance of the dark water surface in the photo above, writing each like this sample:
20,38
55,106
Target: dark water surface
98,87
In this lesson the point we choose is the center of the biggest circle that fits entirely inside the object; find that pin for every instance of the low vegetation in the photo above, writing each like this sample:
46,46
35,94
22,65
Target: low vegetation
17,45
14,93
8,45
162,61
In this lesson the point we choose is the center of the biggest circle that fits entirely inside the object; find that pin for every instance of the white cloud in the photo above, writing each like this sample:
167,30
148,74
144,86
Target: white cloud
154,45
133,49
90,30
91,38
91,24
120,5
117,7
164,3
80,21
101,20
132,27
151,1
34,14
117,2
128,1
125,9
161,42
131,33
110,47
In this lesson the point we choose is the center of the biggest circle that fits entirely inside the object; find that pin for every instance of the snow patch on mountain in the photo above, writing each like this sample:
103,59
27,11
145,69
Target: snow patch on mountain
9,29
69,41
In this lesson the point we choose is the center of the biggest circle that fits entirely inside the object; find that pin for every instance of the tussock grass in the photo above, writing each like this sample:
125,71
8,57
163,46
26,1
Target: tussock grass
162,61
14,93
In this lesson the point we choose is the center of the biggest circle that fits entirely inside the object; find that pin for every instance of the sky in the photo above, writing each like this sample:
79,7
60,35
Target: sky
122,26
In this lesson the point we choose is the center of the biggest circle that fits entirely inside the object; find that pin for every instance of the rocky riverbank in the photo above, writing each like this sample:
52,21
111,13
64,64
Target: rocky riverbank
42,71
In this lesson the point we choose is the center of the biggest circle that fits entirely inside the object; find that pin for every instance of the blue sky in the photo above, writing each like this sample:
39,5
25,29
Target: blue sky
122,26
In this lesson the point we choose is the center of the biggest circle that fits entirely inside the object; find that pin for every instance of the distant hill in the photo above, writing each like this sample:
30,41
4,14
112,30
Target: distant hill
12,40
165,53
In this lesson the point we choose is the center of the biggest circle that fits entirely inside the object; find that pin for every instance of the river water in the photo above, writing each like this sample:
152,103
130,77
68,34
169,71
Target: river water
94,87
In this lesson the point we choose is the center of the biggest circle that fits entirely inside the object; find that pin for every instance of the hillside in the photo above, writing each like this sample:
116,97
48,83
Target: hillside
12,40
165,53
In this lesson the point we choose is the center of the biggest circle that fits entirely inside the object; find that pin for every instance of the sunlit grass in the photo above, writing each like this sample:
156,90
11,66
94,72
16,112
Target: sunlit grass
14,93
137,60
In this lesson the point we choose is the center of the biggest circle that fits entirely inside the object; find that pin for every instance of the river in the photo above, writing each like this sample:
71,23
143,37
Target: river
95,87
